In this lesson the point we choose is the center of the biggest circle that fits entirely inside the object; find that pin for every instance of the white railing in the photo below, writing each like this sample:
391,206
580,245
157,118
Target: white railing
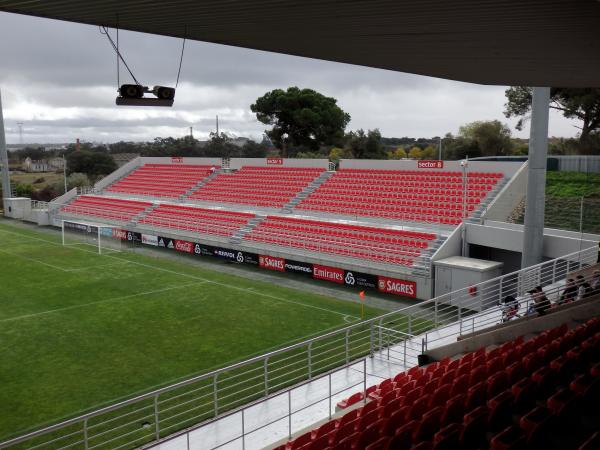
400,335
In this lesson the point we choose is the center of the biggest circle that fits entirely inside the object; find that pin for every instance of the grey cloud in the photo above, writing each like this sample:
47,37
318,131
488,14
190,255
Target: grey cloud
60,79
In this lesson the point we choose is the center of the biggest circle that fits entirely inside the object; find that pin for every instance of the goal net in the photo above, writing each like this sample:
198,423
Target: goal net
91,236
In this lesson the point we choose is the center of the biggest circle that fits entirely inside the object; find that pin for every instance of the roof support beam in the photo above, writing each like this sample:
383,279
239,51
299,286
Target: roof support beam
533,235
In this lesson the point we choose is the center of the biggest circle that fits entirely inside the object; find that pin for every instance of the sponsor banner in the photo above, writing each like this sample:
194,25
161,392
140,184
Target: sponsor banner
229,254
176,159
359,279
396,286
271,263
165,242
328,273
298,267
81,227
184,246
106,231
118,233
430,164
132,236
275,161
150,239
251,258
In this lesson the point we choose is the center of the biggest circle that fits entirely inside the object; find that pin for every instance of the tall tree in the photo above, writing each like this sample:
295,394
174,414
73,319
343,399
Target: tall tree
366,145
574,103
490,137
301,118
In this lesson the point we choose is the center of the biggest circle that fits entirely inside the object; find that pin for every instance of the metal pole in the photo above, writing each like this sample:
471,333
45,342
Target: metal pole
533,231
290,414
372,341
243,431
156,419
440,150
329,378
266,371
310,360
4,157
464,165
65,171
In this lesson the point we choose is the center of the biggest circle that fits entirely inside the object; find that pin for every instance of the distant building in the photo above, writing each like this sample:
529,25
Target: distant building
42,165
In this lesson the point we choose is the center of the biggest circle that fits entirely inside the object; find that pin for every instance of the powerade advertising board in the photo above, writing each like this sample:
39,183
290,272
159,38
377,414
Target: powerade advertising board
316,271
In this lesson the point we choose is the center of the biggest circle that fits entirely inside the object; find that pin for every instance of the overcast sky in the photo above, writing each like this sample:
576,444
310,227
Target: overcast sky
59,79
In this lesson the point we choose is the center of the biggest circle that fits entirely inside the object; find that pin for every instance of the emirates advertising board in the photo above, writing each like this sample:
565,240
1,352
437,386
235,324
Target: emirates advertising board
337,275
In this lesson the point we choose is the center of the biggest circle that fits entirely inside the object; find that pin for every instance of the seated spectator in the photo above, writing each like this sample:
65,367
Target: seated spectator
540,302
583,288
510,308
596,282
570,292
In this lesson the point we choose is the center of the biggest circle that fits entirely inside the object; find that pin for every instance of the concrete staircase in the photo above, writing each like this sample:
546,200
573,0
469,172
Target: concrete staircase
312,186
198,185
135,219
476,216
238,236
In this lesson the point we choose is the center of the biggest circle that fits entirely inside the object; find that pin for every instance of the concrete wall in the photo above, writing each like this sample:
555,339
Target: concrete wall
120,172
236,163
17,207
508,168
451,246
509,197
181,161
511,238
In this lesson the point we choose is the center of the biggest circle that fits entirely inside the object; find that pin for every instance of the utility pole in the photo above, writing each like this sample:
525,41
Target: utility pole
20,125
191,134
217,126
65,171
440,150
4,157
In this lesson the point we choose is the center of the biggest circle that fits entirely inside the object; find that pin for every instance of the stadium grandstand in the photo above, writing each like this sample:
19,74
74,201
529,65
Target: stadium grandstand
497,347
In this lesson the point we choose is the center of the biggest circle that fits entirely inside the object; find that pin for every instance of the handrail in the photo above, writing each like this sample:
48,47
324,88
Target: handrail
365,334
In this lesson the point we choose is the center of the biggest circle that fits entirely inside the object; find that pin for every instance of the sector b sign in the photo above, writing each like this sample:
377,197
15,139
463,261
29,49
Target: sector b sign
430,164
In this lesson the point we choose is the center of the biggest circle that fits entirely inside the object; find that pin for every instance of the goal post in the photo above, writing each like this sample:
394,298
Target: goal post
93,236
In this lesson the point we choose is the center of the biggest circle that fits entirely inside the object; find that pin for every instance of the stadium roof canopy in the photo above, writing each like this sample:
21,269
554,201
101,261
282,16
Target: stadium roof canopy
506,42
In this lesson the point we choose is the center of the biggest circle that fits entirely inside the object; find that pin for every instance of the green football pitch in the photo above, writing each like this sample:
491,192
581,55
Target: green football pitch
80,330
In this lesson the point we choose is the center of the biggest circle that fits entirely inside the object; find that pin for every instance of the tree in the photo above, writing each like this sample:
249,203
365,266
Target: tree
415,153
428,152
90,163
220,145
582,104
301,118
491,137
366,145
253,149
399,153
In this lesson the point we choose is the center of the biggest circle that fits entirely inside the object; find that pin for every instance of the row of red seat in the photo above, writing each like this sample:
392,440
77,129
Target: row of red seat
357,228
162,180
368,243
198,220
418,173
106,208
471,402
259,186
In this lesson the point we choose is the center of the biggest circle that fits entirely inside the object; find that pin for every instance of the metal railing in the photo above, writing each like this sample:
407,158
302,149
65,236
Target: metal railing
399,336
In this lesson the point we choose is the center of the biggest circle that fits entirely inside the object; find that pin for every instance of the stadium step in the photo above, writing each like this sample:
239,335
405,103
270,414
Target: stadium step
238,236
200,183
135,219
313,185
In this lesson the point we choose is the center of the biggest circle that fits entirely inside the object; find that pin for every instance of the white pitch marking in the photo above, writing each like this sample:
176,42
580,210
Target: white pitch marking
262,294
35,260
42,313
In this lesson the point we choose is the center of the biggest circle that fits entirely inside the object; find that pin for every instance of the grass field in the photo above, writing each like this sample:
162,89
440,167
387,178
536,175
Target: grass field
79,330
